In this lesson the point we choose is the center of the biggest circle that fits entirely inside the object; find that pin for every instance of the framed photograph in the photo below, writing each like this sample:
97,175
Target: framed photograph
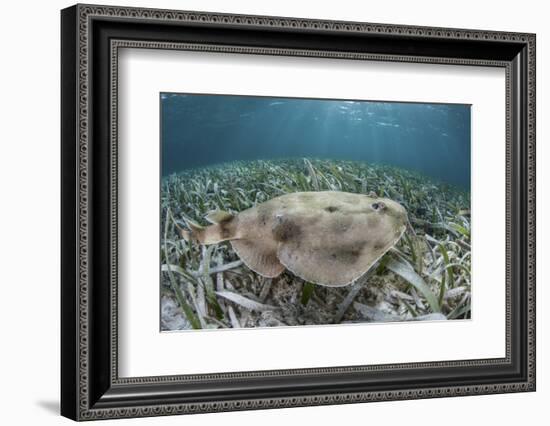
263,212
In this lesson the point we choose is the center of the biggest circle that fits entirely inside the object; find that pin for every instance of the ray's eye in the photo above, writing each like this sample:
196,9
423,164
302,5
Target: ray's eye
378,206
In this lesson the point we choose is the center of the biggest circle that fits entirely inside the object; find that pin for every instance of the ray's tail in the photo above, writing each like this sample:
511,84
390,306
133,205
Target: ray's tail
194,233
222,229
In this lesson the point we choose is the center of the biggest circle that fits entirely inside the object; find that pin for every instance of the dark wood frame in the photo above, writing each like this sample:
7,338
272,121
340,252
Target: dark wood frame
90,386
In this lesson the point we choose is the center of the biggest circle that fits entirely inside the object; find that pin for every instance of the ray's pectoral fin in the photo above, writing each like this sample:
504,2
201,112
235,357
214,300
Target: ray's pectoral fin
260,258
330,266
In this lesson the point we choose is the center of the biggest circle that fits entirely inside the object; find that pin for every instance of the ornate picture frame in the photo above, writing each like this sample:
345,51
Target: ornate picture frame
91,38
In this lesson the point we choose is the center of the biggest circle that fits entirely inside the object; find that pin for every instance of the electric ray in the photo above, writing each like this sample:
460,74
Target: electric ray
329,238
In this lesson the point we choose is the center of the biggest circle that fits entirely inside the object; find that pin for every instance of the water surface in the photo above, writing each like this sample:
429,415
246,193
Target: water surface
203,130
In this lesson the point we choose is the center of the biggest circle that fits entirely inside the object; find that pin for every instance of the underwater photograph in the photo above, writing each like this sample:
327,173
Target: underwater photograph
280,211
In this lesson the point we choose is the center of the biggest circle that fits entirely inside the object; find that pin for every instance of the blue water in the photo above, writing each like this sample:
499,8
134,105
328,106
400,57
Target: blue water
202,130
